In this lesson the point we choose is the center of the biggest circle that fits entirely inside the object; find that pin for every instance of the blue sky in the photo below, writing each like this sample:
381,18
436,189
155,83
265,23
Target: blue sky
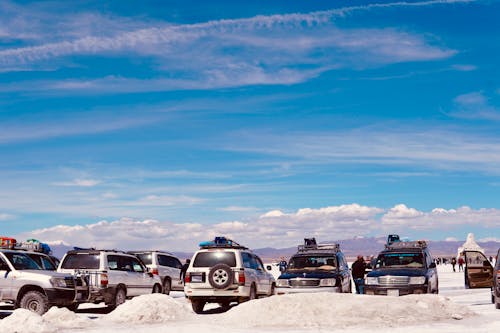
266,121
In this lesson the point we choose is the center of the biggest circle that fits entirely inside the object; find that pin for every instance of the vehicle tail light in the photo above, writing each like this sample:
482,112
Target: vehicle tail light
187,278
104,280
154,271
241,278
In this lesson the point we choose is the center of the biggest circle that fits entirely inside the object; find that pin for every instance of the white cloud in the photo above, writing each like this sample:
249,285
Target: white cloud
6,217
238,209
451,239
79,183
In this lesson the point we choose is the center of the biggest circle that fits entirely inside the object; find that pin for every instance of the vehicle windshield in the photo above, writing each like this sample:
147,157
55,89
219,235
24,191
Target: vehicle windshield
81,261
146,258
43,261
313,262
400,260
209,259
21,261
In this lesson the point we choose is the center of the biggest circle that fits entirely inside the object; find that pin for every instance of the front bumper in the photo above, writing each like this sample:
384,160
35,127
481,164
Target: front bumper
61,297
395,290
298,290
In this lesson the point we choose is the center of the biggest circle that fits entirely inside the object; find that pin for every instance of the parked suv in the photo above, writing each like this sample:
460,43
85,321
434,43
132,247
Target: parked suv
27,285
315,268
165,265
480,273
112,276
403,268
223,271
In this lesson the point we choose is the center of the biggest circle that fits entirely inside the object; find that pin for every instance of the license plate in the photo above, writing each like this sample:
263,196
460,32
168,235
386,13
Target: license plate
393,292
196,278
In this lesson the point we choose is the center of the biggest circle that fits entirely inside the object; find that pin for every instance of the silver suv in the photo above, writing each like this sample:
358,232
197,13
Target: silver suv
111,276
223,271
165,265
27,285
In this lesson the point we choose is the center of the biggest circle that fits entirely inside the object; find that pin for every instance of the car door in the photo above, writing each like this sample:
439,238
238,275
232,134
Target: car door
478,270
5,280
140,279
344,273
175,268
263,279
431,271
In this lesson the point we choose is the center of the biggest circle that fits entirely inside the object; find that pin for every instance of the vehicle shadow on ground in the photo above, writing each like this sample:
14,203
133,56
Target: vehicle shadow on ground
100,310
220,309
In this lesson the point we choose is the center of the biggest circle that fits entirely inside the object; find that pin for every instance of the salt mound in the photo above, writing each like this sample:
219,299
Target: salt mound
323,310
153,308
64,318
22,320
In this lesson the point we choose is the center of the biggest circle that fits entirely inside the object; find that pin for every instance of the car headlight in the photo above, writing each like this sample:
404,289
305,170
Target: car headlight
417,279
327,283
58,282
371,280
282,283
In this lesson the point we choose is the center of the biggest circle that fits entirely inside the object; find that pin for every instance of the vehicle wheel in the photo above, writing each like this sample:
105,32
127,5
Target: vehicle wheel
272,291
35,301
220,276
120,297
253,293
198,305
349,290
72,307
167,286
497,304
156,289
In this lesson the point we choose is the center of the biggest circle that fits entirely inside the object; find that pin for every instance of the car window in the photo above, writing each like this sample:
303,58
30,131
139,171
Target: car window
21,261
177,263
313,262
168,261
42,261
257,263
136,265
81,261
212,258
247,260
146,258
400,260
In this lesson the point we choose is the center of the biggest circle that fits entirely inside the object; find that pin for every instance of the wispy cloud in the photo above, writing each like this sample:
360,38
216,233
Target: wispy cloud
475,105
79,183
275,49
6,217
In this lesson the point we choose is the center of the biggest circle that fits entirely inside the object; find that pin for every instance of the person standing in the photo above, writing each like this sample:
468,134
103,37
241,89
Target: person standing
184,269
358,274
282,264
453,263
461,263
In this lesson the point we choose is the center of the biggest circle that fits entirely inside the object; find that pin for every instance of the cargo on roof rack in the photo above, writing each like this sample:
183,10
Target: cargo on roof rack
407,245
221,242
311,245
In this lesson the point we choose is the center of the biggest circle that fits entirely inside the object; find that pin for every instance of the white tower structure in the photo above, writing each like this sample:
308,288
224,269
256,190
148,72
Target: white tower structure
470,245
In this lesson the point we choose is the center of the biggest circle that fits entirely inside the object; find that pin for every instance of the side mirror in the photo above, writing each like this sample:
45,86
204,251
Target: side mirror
433,265
269,268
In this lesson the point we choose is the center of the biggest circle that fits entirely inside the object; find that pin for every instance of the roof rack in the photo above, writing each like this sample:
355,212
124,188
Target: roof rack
407,245
29,245
221,242
310,245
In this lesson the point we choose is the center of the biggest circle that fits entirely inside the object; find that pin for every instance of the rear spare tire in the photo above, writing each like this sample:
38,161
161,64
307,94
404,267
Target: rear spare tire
220,276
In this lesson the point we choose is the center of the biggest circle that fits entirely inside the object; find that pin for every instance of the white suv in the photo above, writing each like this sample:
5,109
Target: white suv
223,271
112,276
165,265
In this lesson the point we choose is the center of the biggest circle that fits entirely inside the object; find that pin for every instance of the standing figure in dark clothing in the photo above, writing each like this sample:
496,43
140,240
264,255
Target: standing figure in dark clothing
358,274
453,263
184,269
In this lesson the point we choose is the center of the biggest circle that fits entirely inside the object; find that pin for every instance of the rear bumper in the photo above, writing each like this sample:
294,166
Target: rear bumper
210,293
283,291
401,290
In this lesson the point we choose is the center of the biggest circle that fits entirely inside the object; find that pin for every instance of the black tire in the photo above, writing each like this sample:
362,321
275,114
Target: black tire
157,289
429,288
35,301
120,297
273,290
72,307
167,286
253,293
225,305
198,305
220,276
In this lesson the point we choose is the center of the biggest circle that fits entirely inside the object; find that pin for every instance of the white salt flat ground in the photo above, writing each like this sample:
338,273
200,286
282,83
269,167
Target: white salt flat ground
455,309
